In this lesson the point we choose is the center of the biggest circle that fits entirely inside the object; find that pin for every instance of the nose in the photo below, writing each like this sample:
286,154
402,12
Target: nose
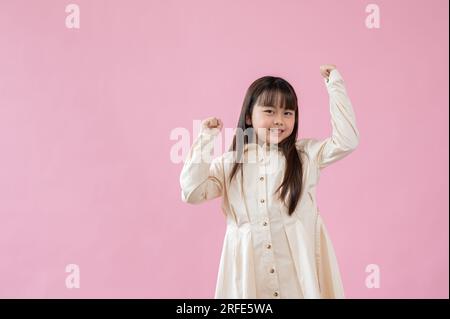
278,120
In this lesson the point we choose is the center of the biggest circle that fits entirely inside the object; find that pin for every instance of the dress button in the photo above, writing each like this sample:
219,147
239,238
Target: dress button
262,201
268,246
272,270
275,293
265,224
261,178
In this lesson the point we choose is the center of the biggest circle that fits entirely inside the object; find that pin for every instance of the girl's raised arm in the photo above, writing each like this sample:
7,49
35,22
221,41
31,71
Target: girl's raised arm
201,178
345,135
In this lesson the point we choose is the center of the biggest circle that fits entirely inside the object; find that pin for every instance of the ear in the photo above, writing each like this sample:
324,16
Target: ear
248,120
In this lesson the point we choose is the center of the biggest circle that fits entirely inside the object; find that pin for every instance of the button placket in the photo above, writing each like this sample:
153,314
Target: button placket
262,190
269,260
262,193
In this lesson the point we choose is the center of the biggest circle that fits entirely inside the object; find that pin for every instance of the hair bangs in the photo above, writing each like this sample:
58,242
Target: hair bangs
278,97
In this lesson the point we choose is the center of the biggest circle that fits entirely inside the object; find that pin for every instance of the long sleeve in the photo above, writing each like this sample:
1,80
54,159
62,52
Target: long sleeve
202,179
345,134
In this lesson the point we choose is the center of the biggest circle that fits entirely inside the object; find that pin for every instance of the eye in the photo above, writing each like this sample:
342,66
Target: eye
289,113
268,111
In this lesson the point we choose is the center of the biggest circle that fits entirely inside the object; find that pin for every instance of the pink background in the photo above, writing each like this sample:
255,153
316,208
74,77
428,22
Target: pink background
86,115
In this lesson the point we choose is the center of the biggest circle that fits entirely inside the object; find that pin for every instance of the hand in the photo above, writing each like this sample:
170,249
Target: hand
212,123
326,69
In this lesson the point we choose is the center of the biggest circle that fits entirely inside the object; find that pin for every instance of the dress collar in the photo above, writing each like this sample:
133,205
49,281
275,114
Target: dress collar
255,146
254,153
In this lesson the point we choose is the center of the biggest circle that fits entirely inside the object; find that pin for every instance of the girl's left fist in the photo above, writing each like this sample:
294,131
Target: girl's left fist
326,69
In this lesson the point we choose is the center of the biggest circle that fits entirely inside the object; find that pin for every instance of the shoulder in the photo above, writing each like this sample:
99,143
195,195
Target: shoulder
306,145
223,160
311,147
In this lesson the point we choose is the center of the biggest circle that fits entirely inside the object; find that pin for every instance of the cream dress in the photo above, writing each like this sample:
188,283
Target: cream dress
267,253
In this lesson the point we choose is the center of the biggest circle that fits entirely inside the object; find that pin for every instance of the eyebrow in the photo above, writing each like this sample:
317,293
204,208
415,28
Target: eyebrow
273,107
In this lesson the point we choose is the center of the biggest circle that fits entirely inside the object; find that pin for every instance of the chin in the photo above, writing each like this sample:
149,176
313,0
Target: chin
275,141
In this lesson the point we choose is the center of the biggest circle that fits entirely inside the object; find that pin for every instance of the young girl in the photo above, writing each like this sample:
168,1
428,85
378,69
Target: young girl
276,244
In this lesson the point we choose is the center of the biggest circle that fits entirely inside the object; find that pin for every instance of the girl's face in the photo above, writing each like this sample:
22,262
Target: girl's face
271,124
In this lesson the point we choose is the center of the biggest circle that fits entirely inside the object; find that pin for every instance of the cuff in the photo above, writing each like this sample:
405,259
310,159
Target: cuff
333,77
210,132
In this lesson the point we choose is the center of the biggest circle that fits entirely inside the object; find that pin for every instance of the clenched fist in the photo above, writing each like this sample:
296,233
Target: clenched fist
212,125
326,69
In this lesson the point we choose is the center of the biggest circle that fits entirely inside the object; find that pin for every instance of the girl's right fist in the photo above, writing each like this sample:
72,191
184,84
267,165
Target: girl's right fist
212,122
212,125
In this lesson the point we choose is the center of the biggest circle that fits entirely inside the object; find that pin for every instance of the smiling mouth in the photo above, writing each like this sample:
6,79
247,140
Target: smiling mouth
276,131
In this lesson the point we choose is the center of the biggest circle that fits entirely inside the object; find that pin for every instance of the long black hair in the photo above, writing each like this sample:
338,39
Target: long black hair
273,91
